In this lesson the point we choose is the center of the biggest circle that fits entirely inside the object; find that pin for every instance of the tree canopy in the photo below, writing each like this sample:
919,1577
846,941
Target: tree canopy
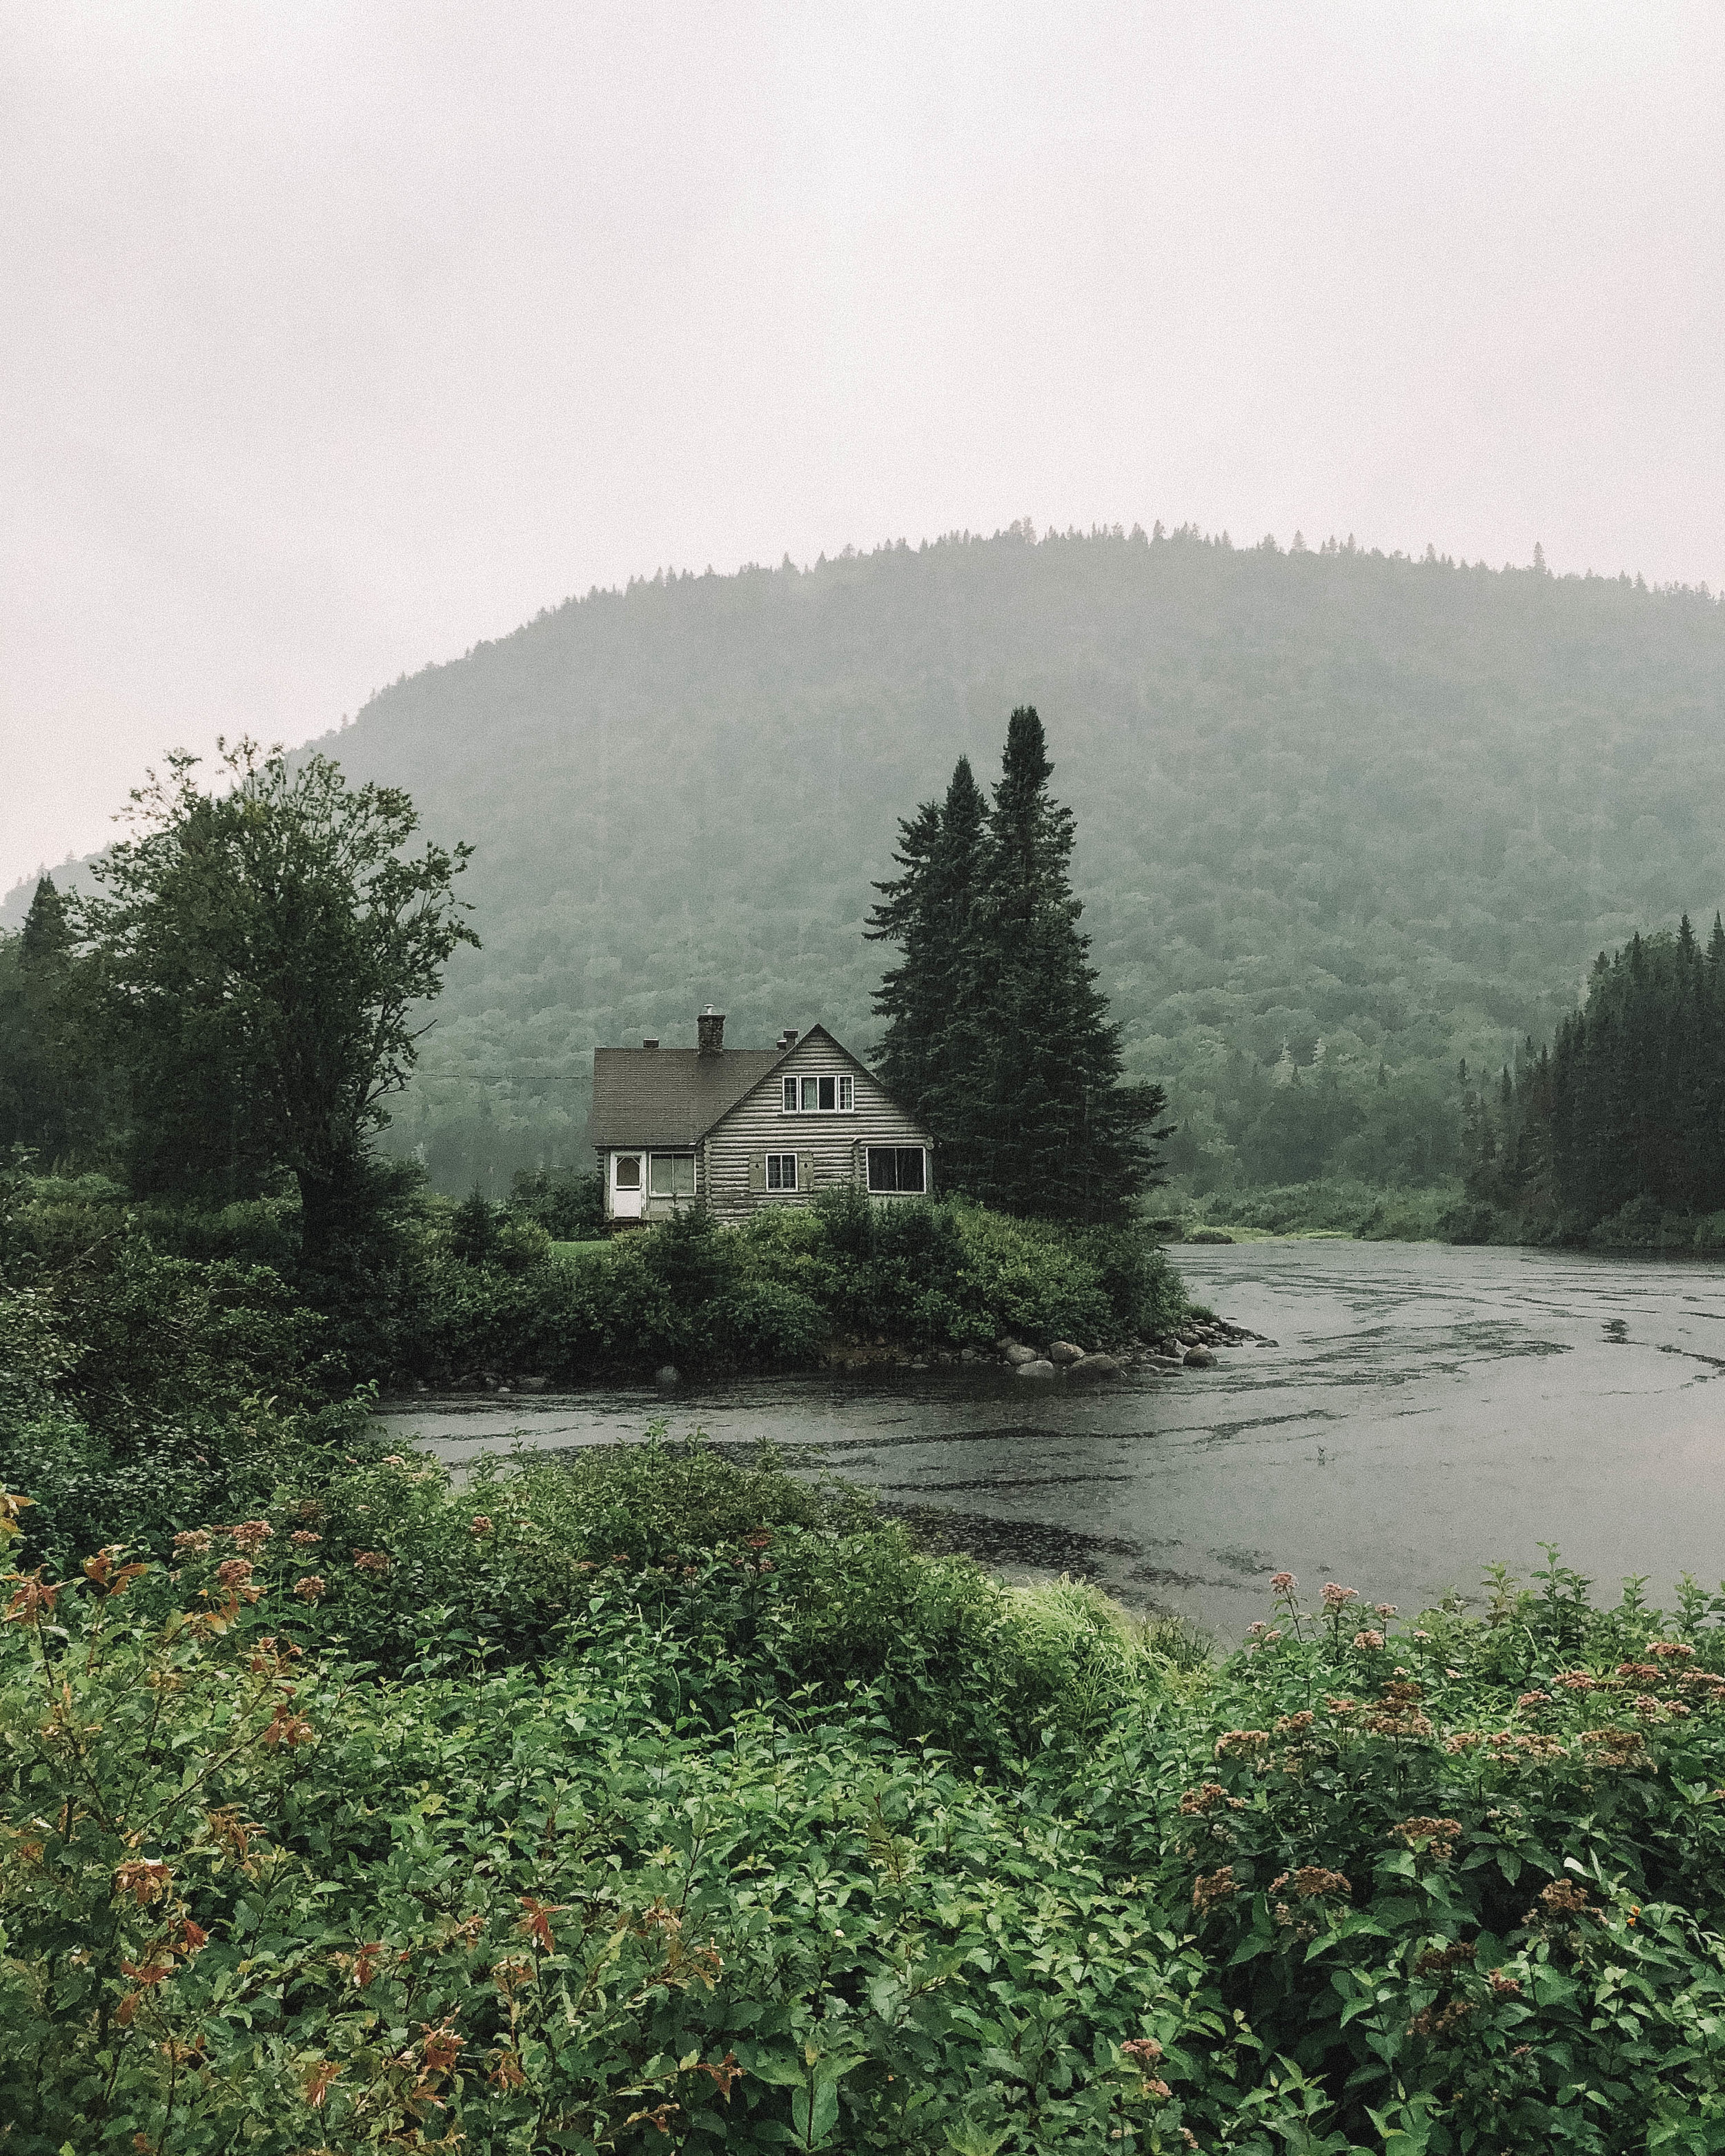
262,949
1627,1107
998,1037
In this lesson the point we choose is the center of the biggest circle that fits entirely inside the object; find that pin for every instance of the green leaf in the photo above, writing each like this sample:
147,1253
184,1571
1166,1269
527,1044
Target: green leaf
814,2111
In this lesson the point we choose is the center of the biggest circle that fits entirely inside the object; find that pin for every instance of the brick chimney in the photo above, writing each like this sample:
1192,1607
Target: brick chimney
650,1044
788,1038
709,1030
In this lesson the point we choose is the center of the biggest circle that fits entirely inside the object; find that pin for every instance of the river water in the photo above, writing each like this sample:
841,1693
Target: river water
1424,1409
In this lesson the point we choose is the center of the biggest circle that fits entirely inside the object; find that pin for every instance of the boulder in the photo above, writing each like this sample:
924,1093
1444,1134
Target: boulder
531,1384
1199,1358
1094,1366
667,1373
1016,1352
1063,1350
1035,1367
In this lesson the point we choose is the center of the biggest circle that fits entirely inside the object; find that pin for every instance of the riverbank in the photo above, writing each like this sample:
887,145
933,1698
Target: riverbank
840,1283
1413,1411
671,1792
1366,1211
1443,1213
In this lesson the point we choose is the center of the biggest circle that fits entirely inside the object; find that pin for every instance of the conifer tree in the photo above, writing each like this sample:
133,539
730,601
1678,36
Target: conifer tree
904,999
929,912
54,1092
46,940
1627,1107
1036,1119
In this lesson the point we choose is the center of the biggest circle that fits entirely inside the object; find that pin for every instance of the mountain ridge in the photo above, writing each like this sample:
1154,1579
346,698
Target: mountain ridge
1345,818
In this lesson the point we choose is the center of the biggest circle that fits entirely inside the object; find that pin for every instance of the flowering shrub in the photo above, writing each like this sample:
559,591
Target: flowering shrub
250,1900
666,1802
1471,1932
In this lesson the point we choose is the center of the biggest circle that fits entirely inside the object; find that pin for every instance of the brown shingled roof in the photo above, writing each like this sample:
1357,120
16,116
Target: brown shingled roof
667,1097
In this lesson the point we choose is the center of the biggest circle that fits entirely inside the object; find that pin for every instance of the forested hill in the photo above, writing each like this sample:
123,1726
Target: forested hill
1376,812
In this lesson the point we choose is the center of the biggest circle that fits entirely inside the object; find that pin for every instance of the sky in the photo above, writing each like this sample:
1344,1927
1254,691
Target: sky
339,336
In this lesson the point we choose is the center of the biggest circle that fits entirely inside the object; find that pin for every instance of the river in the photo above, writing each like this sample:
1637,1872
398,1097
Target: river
1424,1409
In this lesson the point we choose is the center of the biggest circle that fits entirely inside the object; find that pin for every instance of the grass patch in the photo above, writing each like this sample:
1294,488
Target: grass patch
1327,1208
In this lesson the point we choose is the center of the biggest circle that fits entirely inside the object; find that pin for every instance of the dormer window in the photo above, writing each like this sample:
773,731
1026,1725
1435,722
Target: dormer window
827,1097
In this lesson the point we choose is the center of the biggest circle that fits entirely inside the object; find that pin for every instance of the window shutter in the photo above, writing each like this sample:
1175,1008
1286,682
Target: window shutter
758,1172
805,1171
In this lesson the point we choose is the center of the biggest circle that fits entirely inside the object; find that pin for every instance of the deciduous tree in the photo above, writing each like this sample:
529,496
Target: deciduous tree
263,946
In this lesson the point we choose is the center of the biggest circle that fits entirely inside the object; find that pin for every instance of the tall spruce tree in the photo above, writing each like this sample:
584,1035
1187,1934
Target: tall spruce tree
929,912
1000,1038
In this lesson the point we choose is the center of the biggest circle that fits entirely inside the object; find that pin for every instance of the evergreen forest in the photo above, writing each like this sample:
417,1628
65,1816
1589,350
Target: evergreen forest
1345,820
1617,1130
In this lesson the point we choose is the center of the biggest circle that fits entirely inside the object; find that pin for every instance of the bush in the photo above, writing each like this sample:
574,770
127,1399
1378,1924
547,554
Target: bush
516,1914
665,1798
778,1292
570,1208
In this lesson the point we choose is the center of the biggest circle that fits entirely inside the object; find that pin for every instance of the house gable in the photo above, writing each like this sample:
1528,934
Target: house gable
830,1145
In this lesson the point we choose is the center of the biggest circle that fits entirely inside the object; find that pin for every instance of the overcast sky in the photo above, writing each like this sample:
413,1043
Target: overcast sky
336,337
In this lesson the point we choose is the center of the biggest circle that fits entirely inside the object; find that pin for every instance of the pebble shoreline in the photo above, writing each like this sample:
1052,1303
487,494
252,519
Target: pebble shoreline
1190,1347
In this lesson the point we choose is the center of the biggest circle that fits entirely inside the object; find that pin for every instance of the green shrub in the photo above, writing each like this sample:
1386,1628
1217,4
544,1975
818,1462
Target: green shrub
761,1325
778,1291
513,1914
557,1799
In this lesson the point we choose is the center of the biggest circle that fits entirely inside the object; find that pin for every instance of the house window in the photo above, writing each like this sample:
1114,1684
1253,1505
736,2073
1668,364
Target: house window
671,1175
629,1172
780,1171
835,1096
897,1168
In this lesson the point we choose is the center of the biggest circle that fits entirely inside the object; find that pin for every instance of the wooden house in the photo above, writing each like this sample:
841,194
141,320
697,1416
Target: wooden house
747,1128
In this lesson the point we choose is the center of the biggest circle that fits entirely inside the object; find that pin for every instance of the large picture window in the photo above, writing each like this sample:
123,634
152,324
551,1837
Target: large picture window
780,1171
897,1168
671,1175
820,1097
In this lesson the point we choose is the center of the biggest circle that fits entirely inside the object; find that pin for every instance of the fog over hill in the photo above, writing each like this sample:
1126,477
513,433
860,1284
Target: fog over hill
1344,818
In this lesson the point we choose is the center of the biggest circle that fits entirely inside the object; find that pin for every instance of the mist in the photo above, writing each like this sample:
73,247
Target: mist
340,339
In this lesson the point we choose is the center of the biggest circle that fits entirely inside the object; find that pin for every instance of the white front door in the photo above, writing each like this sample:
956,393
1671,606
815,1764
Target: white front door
628,1185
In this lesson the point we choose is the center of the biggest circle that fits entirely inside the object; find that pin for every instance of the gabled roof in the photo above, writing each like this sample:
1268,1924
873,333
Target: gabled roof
668,1096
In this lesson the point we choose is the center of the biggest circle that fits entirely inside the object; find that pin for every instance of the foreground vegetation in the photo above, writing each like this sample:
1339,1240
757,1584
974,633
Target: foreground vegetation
669,1803
663,1800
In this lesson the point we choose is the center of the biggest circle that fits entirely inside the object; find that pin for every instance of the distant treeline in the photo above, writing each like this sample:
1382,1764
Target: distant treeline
1617,1129
1385,806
